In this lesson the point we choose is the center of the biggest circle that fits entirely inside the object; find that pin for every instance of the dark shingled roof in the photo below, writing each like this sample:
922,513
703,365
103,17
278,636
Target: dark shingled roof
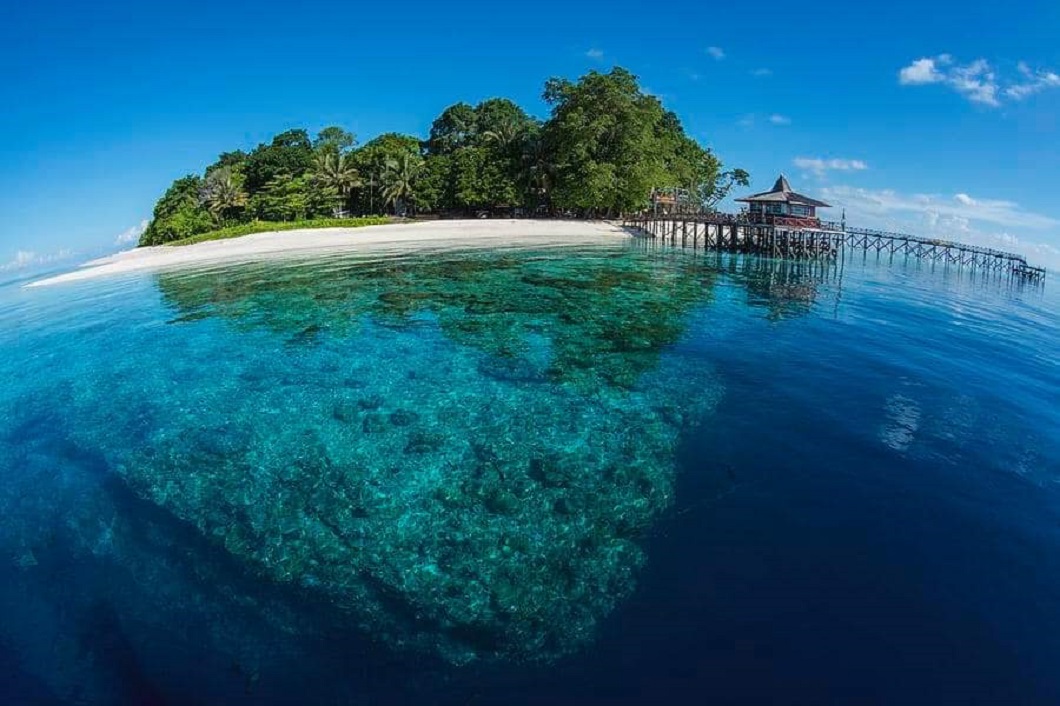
782,193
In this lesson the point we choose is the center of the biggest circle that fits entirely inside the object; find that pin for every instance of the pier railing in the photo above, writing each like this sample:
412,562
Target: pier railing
731,233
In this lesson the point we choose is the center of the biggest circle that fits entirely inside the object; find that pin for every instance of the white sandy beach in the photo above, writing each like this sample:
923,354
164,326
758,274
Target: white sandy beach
400,237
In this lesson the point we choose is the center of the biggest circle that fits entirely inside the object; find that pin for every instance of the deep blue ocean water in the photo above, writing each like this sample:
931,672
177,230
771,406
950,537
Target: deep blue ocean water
593,476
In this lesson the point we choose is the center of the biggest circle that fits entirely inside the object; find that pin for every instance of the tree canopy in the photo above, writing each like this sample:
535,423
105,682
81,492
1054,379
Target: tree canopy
610,144
604,148
290,153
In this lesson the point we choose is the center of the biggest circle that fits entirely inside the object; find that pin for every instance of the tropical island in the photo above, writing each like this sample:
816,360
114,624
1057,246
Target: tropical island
608,150
605,147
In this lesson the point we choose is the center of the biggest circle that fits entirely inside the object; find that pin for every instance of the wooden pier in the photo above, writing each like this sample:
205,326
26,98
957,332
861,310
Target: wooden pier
732,234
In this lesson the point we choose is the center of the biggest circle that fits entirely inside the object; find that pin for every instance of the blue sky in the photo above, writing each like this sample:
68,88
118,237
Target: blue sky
938,117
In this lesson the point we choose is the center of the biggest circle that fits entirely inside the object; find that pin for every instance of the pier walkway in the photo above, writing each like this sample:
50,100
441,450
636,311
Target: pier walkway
725,233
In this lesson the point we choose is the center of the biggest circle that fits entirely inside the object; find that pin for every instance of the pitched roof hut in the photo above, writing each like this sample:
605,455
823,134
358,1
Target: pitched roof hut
782,206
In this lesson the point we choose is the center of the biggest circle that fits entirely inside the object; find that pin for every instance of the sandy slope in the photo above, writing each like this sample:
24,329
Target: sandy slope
376,239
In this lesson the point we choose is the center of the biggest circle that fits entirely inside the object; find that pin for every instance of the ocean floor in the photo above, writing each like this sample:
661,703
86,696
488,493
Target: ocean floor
457,455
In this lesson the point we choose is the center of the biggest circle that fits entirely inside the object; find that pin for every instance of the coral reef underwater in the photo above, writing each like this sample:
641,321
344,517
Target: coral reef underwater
458,454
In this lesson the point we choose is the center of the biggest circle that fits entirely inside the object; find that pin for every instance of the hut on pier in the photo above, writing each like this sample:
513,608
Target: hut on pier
783,207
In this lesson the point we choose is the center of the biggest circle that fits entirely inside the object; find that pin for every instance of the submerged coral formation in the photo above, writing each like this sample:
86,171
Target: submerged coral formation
460,454
604,315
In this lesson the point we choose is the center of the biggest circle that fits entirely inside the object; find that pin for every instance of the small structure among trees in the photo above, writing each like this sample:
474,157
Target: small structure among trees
783,207
675,201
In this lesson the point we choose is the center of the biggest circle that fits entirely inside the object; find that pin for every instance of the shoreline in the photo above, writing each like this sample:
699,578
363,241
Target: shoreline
394,237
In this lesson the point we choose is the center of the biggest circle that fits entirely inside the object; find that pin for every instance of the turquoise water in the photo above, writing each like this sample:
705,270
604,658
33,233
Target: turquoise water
595,475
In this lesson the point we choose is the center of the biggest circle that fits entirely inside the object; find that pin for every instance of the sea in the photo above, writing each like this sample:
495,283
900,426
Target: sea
627,474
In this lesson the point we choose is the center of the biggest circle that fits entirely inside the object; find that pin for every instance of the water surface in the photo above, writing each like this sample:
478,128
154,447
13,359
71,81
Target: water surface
599,475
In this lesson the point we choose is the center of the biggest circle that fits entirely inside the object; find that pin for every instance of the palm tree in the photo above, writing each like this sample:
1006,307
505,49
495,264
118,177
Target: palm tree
222,193
505,135
398,178
334,170
536,169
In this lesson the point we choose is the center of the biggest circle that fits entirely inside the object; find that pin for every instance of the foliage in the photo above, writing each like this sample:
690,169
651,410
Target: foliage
371,163
290,153
232,160
606,145
287,198
432,184
178,213
182,192
714,192
399,181
273,226
334,140
475,156
453,129
610,144
222,193
335,170
185,222
501,124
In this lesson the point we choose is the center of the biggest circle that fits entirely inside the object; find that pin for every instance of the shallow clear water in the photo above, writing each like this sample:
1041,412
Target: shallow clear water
606,475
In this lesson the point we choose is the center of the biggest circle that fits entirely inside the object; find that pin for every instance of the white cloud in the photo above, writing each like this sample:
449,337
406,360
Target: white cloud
923,71
750,120
595,54
819,166
717,53
977,81
131,235
978,221
761,73
24,259
961,205
1033,82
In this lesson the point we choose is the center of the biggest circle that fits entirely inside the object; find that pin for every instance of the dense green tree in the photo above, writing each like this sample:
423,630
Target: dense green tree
287,198
433,184
371,163
469,189
607,142
289,153
474,155
494,122
479,180
322,201
334,140
500,123
535,170
178,213
185,222
228,159
456,127
181,192
505,132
